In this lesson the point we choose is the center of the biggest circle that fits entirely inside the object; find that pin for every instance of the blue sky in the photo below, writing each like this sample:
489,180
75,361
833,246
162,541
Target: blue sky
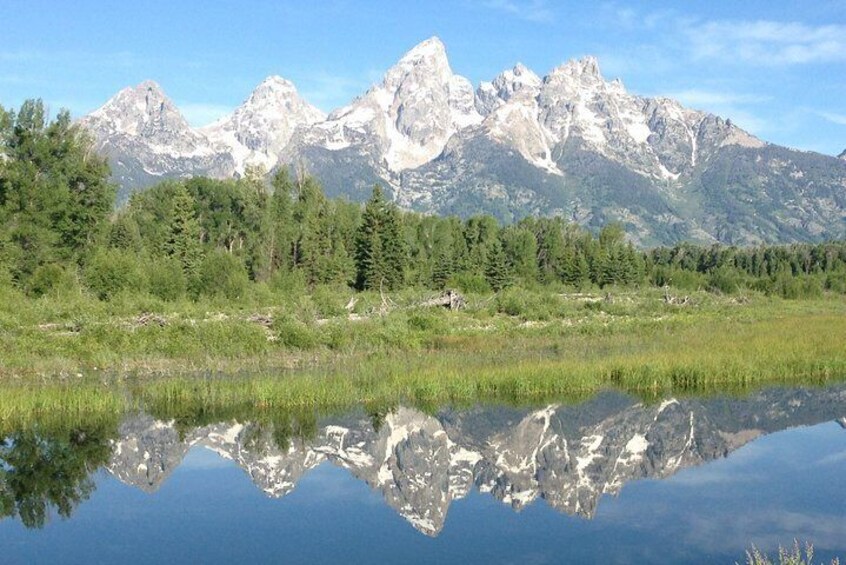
777,68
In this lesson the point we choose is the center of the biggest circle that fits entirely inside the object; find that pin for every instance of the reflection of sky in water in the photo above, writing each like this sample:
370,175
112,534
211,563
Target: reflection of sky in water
784,485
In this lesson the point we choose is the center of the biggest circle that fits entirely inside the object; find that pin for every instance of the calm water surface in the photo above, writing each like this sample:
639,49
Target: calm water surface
611,480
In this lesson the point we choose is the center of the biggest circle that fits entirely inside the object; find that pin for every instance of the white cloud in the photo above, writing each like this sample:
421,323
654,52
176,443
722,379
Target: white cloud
835,118
530,10
202,114
122,59
697,97
765,42
739,107
328,91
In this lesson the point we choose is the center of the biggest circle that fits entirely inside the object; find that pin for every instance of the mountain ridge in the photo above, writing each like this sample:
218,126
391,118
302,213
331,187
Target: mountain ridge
568,143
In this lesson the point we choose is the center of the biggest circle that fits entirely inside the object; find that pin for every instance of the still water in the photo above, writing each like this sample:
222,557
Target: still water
610,480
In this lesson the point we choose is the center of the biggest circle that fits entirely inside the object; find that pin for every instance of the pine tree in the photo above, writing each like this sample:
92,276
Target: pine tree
55,198
380,249
496,270
183,242
394,248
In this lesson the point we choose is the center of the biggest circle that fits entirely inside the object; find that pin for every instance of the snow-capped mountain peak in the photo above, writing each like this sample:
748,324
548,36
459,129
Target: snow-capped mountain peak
147,138
140,110
491,95
407,119
257,132
518,145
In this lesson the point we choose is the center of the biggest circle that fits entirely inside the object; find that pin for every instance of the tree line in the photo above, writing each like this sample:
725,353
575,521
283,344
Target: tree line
205,237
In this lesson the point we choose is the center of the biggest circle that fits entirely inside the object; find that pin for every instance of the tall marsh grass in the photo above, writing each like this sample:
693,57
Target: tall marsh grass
633,343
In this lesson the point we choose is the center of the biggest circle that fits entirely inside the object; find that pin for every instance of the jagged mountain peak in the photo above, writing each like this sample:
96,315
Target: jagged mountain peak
274,86
407,119
429,49
585,67
427,60
147,138
257,132
143,109
515,79
277,94
842,155
515,146
491,95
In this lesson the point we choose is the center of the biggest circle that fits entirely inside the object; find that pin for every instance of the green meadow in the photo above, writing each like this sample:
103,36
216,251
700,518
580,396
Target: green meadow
87,359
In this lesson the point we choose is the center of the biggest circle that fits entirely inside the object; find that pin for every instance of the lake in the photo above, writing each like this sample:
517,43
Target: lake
613,479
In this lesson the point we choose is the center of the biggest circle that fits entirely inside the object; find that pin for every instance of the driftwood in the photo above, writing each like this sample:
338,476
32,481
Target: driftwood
261,320
675,300
148,319
450,299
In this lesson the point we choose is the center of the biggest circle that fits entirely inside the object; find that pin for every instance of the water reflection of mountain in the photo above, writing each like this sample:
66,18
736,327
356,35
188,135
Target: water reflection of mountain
567,455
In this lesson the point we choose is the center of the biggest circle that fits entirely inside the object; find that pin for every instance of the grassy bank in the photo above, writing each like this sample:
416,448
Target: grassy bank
518,346
63,336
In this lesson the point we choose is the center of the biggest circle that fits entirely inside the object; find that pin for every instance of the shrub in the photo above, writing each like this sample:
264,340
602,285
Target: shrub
293,333
167,281
426,322
836,282
530,305
725,279
469,283
792,287
678,278
45,279
110,271
288,282
221,274
330,301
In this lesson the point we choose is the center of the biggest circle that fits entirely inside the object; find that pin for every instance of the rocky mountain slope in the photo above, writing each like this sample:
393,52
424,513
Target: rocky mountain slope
569,143
258,131
147,139
569,456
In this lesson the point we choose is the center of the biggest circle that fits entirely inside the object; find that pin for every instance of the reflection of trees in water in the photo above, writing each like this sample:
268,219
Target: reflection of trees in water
44,469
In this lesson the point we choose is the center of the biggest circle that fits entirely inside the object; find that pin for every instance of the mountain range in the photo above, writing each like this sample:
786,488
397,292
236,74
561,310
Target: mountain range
569,456
569,143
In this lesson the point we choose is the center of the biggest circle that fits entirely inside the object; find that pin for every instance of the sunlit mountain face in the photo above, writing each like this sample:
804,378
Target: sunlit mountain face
569,143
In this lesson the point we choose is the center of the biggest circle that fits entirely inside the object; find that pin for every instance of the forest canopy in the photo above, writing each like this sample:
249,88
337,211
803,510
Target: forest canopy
206,237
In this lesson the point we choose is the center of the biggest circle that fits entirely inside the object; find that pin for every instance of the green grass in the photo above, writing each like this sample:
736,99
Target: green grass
88,360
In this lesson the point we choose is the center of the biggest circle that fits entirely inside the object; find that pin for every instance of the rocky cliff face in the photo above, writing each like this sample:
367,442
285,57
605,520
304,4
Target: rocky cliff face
146,139
569,143
258,131
569,456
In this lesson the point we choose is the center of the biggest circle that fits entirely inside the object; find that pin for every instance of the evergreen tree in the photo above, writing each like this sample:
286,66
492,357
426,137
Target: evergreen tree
496,270
380,250
183,242
55,197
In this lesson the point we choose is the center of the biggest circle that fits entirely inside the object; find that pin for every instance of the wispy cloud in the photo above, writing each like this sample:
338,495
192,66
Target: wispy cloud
739,107
755,42
835,118
202,114
697,97
529,10
765,42
328,91
79,58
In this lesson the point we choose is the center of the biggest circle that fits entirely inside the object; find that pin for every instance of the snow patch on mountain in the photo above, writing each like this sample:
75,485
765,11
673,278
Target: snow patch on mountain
258,131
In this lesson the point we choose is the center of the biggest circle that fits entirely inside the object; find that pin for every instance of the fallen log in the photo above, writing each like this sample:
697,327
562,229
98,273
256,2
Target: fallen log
450,299
148,319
